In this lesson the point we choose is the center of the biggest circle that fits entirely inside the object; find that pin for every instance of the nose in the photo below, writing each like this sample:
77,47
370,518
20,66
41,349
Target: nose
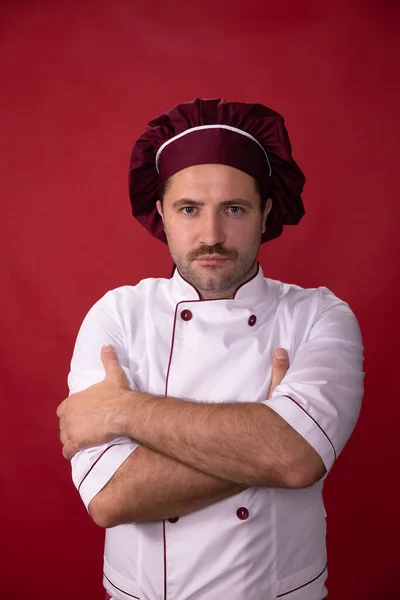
211,230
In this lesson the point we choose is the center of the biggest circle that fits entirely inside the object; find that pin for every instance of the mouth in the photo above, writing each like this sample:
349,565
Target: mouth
212,259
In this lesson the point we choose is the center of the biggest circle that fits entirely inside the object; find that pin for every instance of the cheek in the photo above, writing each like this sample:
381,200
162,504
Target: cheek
179,237
244,232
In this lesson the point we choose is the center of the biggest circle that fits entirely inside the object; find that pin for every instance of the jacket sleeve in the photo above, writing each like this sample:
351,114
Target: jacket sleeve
321,394
94,467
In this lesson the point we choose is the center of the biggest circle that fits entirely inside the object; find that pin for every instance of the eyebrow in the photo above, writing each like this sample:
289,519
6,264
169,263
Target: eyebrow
231,202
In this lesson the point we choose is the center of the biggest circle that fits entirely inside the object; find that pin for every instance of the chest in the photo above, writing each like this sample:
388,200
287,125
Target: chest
211,351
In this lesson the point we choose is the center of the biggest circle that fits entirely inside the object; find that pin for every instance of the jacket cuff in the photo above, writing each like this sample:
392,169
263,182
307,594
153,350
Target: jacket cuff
300,420
103,463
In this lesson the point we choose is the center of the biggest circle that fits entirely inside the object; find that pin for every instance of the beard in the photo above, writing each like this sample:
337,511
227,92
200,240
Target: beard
234,271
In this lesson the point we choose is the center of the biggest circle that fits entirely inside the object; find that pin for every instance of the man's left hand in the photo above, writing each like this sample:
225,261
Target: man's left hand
95,415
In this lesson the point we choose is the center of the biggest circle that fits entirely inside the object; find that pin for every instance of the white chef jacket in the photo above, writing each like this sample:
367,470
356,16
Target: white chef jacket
263,543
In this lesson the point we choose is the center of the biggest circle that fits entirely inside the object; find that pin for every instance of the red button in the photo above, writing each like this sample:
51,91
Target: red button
242,513
186,315
173,519
252,320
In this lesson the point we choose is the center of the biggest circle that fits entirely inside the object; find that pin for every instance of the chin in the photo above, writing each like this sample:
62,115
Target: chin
214,284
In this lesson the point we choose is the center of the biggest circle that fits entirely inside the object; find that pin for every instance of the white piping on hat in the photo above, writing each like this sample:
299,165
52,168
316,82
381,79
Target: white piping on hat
165,144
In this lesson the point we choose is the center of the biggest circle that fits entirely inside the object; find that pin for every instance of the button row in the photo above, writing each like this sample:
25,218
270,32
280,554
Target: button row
186,315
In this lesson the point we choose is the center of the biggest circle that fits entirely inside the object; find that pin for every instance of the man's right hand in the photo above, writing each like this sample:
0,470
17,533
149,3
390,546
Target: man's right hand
280,365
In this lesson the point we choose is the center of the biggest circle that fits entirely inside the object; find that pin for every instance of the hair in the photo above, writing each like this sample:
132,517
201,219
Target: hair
263,197
163,189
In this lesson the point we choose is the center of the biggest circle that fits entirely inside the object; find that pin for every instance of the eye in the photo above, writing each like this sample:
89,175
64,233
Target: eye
235,210
188,210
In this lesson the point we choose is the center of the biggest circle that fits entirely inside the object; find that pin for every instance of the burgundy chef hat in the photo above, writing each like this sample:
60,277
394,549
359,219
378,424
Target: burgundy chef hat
249,137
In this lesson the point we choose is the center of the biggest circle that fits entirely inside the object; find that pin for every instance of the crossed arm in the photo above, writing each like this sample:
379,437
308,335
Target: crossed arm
191,454
149,486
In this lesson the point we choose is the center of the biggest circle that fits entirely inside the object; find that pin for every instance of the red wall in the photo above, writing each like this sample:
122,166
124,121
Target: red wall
79,81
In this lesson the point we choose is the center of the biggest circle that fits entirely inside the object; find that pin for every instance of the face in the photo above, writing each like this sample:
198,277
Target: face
213,224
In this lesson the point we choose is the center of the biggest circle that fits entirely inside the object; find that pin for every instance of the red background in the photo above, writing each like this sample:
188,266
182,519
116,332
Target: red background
79,81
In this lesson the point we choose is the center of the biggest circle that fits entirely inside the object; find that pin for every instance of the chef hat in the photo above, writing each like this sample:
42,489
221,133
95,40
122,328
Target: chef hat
249,137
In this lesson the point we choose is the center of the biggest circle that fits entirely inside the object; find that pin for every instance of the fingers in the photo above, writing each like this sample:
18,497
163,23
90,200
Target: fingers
61,408
280,365
68,450
63,437
109,358
113,369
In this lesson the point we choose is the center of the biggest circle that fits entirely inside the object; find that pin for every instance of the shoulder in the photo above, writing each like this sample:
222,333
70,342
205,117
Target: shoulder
125,300
312,305
134,293
291,294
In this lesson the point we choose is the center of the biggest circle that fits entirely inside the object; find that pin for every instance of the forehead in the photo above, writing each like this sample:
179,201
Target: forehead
212,181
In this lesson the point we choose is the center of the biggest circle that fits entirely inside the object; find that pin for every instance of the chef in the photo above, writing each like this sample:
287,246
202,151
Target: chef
203,463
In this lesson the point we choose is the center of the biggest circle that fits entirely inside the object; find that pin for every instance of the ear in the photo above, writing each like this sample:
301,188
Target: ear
267,209
159,209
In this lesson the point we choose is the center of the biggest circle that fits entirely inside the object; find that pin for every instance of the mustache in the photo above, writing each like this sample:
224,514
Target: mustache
212,250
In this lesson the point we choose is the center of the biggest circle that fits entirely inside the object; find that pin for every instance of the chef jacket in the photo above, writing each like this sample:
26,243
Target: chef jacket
263,543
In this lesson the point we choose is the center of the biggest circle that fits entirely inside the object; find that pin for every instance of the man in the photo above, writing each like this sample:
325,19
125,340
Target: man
209,486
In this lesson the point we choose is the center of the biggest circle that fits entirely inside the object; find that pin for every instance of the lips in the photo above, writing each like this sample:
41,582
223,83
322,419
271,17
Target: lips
212,258
211,261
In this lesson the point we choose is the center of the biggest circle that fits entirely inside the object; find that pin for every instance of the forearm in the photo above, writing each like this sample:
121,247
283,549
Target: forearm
150,486
243,442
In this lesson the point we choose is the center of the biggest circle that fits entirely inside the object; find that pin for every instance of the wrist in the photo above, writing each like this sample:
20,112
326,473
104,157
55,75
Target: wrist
128,412
120,416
